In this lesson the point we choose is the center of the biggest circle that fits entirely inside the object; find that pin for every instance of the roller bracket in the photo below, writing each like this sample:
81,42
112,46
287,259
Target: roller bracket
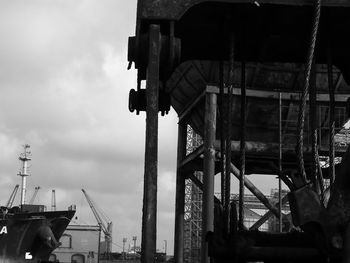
170,53
138,101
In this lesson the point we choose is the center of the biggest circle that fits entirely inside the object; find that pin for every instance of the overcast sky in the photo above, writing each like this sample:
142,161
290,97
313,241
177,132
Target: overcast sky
64,90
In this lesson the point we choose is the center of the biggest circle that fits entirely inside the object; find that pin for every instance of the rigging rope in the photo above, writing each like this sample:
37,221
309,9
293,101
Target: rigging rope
242,147
302,105
331,118
222,132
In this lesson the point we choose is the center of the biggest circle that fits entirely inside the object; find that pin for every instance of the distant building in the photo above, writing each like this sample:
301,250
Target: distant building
79,244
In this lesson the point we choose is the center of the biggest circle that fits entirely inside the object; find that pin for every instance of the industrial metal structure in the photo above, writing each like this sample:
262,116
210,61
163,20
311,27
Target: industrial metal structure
32,199
12,197
24,158
105,224
266,85
193,206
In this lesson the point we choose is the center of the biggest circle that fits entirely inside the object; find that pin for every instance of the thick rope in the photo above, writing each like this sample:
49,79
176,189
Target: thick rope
302,105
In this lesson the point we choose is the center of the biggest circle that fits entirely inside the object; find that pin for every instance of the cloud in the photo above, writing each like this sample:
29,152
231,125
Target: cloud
64,90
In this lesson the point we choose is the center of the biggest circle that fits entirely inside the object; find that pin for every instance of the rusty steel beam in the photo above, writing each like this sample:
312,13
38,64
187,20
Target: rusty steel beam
255,191
149,213
180,196
268,214
253,147
174,10
208,172
272,95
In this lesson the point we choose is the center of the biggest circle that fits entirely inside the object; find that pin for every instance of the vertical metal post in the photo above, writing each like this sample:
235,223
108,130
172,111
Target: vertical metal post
180,196
209,171
242,148
229,132
149,213
280,160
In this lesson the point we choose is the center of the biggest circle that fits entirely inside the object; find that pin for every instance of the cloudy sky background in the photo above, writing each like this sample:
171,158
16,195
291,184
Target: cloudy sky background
64,90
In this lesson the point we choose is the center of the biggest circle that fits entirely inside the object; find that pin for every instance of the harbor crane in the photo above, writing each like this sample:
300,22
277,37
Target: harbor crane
36,190
105,224
12,196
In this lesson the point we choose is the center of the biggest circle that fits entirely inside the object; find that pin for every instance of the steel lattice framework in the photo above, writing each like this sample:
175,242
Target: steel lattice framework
193,207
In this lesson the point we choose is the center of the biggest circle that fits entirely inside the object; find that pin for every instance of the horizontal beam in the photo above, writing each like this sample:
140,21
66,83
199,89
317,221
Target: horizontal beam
250,92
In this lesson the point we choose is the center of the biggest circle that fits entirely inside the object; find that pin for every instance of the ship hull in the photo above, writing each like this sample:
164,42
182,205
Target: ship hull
31,237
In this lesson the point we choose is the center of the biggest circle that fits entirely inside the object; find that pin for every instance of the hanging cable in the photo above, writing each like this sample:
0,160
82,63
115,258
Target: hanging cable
242,146
331,116
302,105
222,131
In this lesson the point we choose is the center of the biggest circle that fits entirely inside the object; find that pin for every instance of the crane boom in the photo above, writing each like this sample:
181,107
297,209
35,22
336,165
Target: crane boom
12,196
34,195
107,229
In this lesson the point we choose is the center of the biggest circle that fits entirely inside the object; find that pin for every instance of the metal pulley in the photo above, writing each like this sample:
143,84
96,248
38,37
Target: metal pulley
138,101
170,53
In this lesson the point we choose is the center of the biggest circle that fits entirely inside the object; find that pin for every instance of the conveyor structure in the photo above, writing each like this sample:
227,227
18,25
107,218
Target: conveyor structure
265,83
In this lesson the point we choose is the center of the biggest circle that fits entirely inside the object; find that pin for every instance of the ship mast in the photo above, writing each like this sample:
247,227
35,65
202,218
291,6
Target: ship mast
24,158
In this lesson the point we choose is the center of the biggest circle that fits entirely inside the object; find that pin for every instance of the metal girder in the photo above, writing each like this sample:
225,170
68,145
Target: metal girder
173,10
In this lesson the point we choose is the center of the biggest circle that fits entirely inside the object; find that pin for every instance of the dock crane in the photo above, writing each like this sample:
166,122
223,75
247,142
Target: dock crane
105,226
36,189
12,196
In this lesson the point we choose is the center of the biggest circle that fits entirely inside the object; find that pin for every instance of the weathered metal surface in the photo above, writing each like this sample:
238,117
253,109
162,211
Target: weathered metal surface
305,206
180,195
149,213
209,172
191,78
268,214
255,191
274,30
339,203
174,9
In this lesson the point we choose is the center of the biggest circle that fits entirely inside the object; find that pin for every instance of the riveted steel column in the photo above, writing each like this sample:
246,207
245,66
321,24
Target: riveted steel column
209,171
280,161
149,213
180,195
